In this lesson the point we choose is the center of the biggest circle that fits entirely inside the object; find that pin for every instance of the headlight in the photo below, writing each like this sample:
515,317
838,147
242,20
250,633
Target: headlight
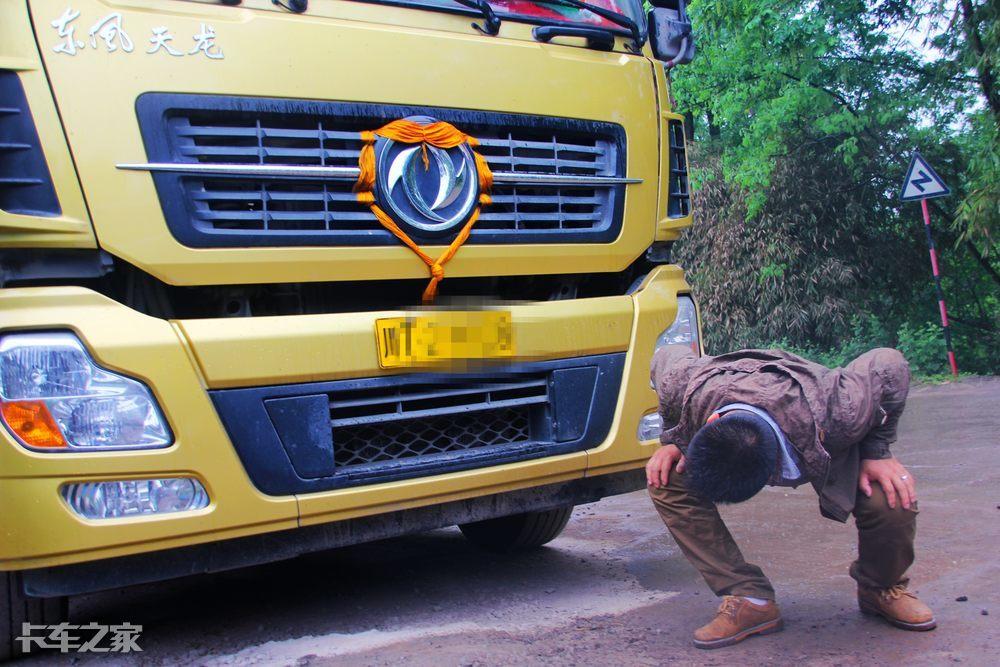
684,330
54,397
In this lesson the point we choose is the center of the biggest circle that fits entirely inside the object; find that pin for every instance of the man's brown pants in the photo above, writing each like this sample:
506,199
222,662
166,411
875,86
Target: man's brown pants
885,541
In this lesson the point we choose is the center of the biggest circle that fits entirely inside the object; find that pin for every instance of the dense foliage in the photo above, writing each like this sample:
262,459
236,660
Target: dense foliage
806,114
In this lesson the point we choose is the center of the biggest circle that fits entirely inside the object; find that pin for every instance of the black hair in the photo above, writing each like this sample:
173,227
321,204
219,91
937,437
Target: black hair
732,458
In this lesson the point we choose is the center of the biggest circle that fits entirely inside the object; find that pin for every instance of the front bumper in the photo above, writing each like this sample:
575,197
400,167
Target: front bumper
183,361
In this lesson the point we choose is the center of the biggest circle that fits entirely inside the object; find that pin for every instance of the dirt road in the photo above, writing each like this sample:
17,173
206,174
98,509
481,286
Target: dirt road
613,590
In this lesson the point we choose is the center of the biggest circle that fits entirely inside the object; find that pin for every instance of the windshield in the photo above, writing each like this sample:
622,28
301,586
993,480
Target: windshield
546,12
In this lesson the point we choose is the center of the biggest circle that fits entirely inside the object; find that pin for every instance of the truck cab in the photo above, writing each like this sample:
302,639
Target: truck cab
283,276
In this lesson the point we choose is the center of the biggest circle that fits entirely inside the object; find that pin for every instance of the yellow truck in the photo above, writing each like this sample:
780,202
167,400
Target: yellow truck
281,276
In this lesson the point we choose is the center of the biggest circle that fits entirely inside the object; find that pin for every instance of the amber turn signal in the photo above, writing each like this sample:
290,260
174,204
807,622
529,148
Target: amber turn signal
32,422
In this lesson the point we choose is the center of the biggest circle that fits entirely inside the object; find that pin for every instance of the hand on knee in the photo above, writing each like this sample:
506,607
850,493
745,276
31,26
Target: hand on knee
890,477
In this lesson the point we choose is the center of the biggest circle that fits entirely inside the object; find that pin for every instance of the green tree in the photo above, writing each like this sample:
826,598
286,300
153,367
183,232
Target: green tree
972,44
806,114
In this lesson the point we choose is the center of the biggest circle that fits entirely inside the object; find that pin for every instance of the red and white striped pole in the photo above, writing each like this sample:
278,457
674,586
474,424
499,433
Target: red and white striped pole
937,285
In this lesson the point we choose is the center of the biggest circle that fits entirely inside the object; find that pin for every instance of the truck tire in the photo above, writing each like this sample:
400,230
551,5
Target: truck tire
518,531
17,608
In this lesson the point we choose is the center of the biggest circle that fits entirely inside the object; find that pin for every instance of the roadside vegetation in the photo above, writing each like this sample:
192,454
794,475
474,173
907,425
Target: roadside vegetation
806,114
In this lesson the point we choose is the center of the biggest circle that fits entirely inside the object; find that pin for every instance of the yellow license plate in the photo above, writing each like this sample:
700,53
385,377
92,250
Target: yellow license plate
444,336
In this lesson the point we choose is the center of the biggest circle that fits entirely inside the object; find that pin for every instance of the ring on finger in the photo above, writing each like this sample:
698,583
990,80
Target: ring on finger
904,477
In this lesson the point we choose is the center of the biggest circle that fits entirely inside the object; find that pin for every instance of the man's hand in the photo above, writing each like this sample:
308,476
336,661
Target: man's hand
894,479
659,465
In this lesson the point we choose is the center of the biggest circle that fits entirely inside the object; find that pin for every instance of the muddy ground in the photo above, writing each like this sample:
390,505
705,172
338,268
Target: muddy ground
613,589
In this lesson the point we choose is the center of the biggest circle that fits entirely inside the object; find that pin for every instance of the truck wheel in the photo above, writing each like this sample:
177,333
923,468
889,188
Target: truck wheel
518,531
17,608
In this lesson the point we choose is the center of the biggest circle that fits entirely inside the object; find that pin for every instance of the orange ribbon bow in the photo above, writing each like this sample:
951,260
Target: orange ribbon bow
441,135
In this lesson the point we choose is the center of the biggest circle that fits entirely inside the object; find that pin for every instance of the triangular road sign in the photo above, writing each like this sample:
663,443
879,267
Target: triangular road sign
922,182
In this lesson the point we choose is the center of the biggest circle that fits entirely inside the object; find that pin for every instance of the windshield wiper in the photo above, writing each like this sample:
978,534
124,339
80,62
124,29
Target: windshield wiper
294,6
618,19
490,20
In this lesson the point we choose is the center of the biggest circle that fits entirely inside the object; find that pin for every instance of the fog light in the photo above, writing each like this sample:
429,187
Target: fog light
650,427
135,497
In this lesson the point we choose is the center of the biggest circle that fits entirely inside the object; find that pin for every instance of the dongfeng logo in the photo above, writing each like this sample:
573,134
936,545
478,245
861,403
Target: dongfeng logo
428,188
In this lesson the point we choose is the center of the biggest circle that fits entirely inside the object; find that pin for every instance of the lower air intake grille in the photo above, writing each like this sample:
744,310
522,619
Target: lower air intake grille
314,437
423,419
356,445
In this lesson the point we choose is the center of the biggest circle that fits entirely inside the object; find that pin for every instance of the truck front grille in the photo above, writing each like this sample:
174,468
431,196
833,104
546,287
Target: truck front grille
204,210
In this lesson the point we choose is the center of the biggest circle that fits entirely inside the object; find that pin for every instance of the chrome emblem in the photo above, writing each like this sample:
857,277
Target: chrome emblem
433,196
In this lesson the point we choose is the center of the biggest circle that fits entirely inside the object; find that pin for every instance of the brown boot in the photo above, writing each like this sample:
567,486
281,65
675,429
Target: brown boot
898,606
737,619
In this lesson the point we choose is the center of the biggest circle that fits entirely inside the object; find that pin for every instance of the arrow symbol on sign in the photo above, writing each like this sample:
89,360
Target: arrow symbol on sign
918,183
921,181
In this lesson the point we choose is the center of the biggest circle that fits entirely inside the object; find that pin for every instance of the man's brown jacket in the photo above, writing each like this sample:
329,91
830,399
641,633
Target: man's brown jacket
833,417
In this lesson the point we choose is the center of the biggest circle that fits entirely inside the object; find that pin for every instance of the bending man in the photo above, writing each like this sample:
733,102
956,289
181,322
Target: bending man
737,422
